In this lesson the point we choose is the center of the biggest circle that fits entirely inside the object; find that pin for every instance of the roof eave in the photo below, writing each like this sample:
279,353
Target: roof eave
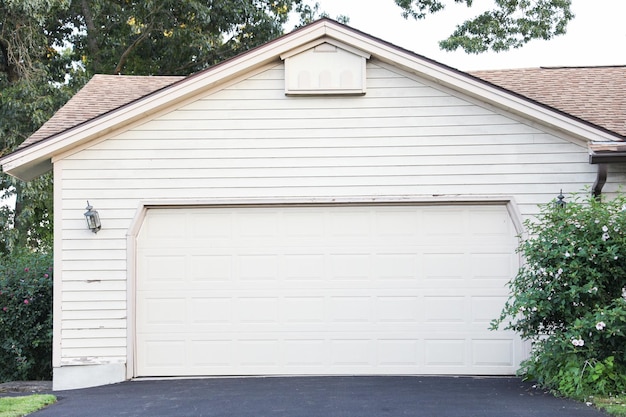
26,171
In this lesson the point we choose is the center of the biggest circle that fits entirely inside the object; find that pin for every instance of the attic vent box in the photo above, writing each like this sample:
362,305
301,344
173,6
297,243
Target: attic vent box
325,68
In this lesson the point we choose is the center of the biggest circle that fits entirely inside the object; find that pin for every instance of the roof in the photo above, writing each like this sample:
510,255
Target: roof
594,94
110,103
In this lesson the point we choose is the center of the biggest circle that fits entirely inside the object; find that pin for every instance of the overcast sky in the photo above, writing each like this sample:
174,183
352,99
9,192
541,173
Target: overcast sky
596,36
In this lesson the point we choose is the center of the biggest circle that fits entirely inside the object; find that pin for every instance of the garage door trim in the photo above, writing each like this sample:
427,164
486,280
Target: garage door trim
146,205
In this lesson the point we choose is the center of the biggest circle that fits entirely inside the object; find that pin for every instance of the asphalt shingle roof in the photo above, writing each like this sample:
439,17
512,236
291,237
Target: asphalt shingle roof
594,94
100,95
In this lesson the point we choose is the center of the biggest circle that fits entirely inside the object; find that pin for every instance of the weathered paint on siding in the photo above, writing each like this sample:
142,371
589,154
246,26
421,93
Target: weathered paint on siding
404,137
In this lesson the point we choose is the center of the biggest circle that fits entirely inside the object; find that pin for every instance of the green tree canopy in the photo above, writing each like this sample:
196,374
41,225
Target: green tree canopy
169,36
510,24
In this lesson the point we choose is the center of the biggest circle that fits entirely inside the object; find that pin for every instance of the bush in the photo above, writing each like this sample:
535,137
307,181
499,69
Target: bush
26,317
569,297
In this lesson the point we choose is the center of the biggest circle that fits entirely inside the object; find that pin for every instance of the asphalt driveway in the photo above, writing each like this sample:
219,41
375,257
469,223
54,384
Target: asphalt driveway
317,396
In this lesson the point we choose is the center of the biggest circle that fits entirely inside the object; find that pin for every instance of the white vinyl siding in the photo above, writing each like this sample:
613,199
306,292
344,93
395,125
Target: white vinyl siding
405,137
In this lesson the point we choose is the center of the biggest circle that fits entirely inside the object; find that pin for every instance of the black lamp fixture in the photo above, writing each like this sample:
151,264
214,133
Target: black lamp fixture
560,203
93,219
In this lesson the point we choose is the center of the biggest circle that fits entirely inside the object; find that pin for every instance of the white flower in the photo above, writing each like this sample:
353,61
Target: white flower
605,236
578,342
605,229
600,325
567,255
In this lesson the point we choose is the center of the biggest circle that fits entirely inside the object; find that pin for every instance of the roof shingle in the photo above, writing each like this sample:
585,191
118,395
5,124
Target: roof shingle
594,94
100,95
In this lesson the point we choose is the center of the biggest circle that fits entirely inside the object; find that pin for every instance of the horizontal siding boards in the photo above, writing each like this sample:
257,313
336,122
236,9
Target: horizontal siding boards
256,149
99,323
94,285
76,315
404,137
327,180
93,295
98,306
146,168
89,255
192,139
86,354
95,333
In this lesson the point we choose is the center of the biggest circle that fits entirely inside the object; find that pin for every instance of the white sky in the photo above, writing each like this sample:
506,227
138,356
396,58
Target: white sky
596,36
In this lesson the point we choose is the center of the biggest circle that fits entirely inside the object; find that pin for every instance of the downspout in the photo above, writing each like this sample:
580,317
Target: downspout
600,181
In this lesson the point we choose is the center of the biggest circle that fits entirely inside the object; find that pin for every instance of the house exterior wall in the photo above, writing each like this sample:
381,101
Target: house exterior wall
405,137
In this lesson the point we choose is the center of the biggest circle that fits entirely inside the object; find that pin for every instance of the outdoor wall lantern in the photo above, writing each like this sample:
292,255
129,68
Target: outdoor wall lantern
560,203
93,219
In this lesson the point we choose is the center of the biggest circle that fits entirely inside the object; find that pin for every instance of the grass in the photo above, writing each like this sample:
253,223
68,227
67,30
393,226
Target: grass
20,406
615,406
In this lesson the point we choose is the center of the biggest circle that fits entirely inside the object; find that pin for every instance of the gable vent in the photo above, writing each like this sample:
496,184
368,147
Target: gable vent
325,68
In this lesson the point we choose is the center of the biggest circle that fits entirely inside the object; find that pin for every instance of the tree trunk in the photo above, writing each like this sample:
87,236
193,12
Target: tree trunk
92,37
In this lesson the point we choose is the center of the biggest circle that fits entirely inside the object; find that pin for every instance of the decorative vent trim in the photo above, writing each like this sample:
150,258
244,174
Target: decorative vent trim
325,67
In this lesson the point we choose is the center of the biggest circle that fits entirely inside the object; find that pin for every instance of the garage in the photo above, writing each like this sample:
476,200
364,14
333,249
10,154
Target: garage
324,290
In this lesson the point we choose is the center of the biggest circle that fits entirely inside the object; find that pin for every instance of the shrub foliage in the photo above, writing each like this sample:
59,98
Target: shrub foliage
569,297
25,316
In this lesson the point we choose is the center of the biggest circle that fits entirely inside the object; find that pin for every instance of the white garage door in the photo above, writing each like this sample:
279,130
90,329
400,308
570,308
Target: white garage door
377,289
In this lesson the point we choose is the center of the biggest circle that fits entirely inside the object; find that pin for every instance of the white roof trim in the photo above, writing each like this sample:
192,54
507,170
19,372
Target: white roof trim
33,160
318,42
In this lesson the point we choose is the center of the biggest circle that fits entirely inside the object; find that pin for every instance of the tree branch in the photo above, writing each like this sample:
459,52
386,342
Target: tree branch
127,52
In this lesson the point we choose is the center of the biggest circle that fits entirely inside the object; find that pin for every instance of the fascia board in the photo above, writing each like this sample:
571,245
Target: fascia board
320,41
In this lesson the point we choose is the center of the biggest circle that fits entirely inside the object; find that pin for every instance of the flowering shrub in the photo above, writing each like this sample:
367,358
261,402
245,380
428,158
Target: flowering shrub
569,297
25,317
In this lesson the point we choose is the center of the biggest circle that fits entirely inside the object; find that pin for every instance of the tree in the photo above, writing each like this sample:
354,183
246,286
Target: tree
569,297
170,36
32,73
511,23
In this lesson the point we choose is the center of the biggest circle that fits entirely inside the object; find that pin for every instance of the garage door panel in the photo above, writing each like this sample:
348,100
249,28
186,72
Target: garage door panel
211,268
164,268
486,308
493,353
324,290
445,352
